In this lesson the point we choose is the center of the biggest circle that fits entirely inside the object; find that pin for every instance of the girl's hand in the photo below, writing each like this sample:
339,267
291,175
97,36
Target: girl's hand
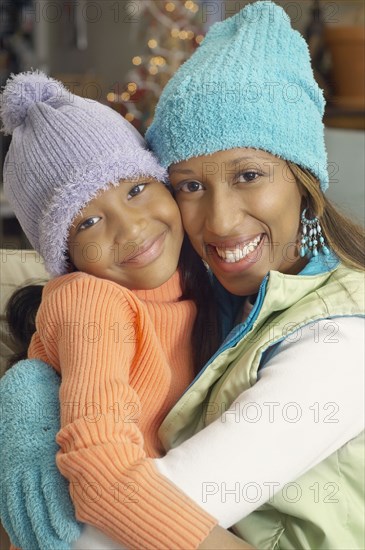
35,506
221,538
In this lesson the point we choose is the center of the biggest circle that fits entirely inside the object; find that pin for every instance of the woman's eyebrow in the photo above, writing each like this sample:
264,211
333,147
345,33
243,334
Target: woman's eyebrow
238,160
180,171
230,163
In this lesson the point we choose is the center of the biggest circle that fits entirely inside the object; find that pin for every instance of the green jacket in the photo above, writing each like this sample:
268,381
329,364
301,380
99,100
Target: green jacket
324,508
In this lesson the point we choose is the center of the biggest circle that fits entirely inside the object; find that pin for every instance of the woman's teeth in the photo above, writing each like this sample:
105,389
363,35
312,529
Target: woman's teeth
231,255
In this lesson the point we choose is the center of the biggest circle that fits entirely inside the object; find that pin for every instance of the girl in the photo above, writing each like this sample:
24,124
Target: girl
115,321
281,402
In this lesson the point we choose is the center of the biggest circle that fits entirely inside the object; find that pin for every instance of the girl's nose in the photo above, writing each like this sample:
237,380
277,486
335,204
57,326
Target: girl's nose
130,226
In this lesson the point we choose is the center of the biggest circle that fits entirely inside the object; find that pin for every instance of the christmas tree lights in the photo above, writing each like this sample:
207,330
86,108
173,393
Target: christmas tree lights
170,32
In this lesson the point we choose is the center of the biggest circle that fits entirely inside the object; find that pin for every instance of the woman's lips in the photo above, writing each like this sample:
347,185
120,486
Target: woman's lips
235,242
233,263
145,253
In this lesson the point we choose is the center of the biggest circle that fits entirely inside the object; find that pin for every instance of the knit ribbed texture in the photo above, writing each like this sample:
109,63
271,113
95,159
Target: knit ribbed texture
125,358
249,84
64,150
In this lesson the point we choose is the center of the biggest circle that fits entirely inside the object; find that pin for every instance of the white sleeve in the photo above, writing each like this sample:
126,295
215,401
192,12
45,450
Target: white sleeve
308,402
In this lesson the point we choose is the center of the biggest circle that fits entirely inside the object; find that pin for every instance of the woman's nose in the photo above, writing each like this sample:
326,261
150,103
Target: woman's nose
224,215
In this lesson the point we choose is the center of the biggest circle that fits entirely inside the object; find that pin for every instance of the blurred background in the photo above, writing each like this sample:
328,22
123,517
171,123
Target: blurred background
123,52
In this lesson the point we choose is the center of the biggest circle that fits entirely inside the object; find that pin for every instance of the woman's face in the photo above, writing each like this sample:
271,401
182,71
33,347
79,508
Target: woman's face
241,210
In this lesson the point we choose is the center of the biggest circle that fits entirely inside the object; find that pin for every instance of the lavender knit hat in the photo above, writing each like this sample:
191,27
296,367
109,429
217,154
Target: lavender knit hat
64,150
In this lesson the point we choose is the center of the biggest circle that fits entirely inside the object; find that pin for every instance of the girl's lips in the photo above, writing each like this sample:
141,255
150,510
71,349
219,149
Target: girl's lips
239,266
146,253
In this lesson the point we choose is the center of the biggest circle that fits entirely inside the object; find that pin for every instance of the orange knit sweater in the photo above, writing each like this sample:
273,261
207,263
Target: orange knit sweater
125,358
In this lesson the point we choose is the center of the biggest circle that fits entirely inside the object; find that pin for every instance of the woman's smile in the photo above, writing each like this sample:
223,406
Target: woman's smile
238,258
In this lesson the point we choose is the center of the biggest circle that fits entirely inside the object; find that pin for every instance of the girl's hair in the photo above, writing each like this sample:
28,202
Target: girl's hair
23,305
344,237
20,314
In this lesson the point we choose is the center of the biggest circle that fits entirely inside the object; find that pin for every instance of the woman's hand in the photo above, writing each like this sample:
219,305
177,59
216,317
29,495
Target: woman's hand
221,538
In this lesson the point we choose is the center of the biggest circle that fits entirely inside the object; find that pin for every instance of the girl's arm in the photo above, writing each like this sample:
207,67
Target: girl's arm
28,427
113,485
308,402
35,505
217,539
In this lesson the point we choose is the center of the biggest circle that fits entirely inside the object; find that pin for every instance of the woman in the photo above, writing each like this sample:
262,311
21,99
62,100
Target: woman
280,455
240,128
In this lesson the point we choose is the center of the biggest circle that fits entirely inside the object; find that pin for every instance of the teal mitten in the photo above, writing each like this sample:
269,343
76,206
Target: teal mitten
35,506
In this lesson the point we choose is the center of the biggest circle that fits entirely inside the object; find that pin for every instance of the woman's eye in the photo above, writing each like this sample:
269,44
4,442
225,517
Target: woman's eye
190,187
249,175
137,190
90,222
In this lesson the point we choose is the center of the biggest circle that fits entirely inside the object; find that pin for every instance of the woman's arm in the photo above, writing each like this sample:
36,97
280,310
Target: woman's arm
309,401
221,538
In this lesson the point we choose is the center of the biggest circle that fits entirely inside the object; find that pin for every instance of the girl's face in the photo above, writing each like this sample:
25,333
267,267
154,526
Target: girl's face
130,234
241,210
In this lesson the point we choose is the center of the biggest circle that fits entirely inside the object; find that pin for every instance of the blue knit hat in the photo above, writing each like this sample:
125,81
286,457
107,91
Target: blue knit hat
64,150
249,84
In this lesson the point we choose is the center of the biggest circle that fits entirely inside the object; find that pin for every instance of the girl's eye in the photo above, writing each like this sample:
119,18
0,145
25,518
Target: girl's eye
137,190
90,222
249,175
190,187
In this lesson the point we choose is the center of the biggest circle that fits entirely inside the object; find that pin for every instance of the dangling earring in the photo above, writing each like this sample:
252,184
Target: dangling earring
312,238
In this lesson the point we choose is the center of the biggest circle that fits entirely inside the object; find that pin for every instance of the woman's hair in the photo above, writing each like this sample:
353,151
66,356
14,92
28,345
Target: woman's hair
196,285
23,305
344,237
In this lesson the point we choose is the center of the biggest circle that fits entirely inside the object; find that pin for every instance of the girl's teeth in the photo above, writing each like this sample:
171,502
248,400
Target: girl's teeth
235,255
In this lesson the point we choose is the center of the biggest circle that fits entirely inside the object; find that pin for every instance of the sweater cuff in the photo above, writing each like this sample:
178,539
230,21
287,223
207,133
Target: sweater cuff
140,509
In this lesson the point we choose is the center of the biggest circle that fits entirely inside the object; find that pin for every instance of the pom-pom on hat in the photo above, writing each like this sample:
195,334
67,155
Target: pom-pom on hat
64,150
249,84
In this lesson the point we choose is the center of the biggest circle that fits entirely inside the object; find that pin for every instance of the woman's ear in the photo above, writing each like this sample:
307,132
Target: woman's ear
304,202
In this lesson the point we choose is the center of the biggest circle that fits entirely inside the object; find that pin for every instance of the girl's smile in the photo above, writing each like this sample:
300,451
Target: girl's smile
130,234
146,252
